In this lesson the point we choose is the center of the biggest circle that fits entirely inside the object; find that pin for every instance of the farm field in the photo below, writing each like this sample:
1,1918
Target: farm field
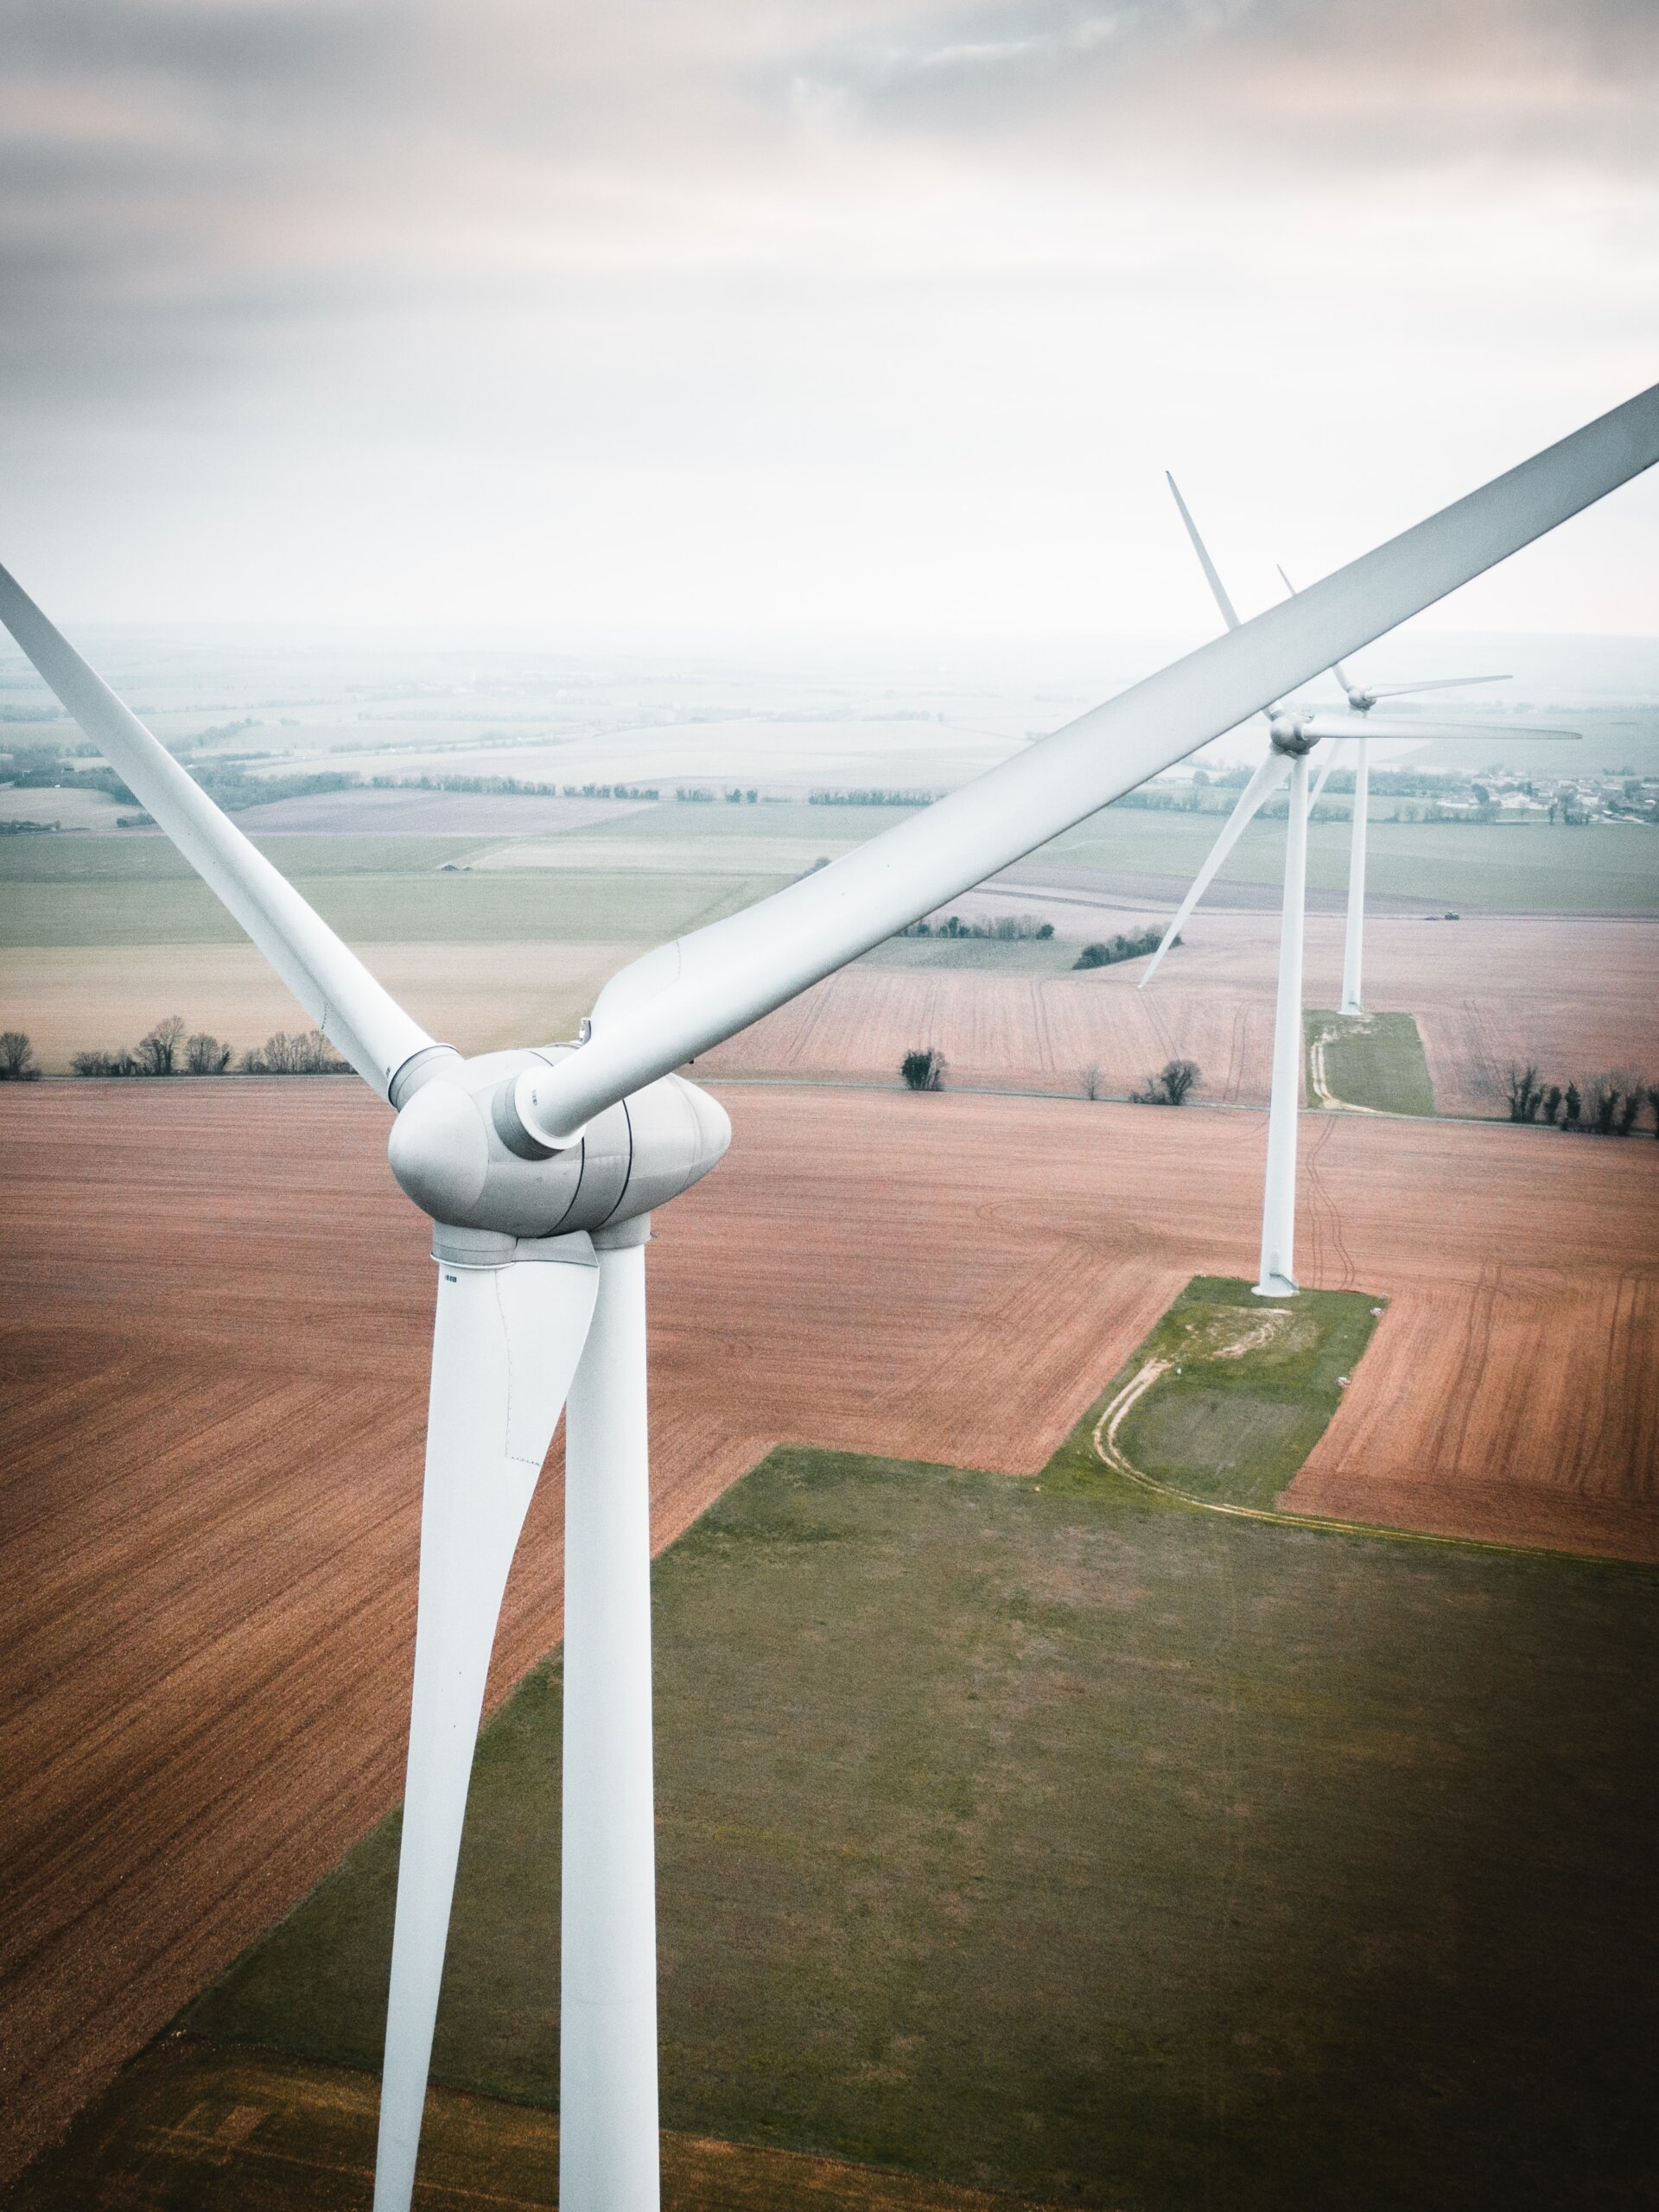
1055,1840
434,906
215,1339
1576,996
72,999
1049,1839
1572,994
177,2135
910,749
70,810
428,814
1530,868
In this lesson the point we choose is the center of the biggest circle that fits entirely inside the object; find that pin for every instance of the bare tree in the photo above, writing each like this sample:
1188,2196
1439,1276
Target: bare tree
310,1053
17,1063
1526,1094
158,1053
1090,1079
1179,1078
1602,1104
205,1055
1172,1086
923,1070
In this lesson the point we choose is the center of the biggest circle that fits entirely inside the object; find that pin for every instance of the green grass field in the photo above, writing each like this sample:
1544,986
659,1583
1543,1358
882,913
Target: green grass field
1375,1060
1535,867
1248,1387
75,889
1053,1837
380,890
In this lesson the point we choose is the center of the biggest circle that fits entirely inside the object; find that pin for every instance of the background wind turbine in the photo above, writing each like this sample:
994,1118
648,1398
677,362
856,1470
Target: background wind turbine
1362,698
539,1169
1293,732
1356,726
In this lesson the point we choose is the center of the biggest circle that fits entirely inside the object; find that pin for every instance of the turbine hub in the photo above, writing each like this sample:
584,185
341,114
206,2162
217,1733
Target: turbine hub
459,1151
1289,736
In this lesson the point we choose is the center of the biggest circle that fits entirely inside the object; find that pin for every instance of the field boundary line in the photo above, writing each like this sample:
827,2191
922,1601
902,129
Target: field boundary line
1107,1451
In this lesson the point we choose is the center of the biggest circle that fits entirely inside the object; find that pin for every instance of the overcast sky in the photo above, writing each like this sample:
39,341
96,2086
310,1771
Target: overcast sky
807,319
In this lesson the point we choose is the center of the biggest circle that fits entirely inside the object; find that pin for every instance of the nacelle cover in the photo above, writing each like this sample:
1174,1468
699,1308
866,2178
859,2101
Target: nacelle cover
458,1150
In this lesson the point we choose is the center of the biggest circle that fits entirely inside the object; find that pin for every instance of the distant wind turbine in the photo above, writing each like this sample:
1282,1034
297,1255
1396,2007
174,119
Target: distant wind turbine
1292,732
539,1169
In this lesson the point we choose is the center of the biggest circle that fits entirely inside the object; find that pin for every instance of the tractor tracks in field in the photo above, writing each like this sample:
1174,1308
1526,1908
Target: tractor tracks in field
1325,1216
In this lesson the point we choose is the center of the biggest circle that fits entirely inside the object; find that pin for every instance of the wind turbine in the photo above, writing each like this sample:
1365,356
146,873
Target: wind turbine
539,1169
1355,726
1362,698
1293,732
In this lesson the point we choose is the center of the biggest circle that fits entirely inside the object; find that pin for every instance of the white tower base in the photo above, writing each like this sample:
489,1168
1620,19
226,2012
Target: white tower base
1278,1276
1353,940
607,2032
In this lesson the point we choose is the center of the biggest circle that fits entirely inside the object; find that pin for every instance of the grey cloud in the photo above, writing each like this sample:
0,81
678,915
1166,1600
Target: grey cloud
181,178
1412,80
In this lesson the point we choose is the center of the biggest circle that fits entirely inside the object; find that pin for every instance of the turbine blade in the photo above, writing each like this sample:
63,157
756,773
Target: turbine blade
687,996
1374,725
351,1008
504,1347
1337,668
1439,684
1255,795
1216,587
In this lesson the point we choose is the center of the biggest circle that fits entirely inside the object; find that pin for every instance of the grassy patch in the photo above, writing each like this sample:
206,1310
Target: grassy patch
1248,1386
1050,1837
1370,1060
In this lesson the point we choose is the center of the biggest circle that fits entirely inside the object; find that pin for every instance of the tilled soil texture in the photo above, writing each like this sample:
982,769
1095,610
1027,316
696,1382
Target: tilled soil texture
216,1328
1577,997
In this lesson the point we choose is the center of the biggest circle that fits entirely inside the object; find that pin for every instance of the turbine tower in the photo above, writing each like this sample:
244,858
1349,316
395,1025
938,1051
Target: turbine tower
539,1169
1293,734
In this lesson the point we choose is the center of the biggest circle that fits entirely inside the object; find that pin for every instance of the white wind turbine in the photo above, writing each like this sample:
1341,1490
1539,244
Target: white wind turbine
540,1168
1293,732
1362,698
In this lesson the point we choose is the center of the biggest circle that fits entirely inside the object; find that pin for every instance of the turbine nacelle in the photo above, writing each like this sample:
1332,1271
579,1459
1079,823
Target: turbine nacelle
461,1152
1290,736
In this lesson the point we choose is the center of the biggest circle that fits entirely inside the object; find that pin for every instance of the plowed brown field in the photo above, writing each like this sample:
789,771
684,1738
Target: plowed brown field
215,1330
1577,997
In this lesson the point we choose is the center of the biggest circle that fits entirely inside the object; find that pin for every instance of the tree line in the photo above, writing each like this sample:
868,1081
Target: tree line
923,1068
1108,954
1003,928
166,1051
1605,1106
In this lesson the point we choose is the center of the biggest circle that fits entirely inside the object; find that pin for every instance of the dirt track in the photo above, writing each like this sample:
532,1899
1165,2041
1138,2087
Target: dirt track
216,1327
1576,996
